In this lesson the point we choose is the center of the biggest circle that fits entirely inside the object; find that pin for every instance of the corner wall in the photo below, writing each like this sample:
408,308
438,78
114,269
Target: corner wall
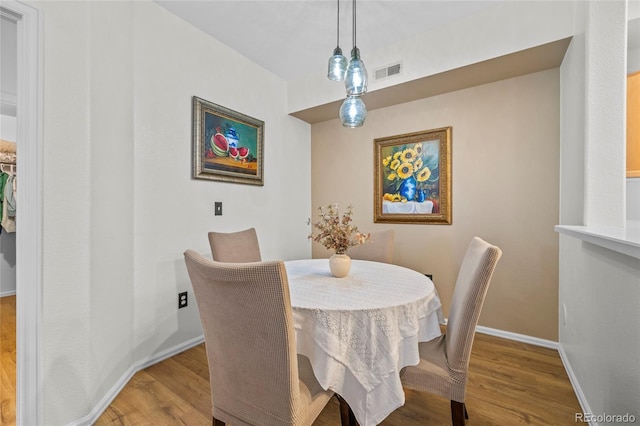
120,205
505,189
599,288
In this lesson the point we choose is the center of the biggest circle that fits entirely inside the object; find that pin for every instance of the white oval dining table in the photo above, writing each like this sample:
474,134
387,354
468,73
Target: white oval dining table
361,330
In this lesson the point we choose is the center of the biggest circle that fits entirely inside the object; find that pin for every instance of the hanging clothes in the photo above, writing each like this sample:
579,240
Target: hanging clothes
10,195
9,205
3,180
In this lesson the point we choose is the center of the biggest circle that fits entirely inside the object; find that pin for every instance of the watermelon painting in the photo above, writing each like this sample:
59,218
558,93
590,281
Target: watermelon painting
228,145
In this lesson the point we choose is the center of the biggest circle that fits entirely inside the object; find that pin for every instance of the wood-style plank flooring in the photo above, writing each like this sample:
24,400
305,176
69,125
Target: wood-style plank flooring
8,360
510,383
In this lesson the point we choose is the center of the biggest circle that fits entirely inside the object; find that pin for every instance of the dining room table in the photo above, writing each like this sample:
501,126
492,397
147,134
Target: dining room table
361,330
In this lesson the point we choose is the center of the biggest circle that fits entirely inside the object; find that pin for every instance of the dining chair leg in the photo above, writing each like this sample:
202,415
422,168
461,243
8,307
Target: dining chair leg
347,418
458,413
217,422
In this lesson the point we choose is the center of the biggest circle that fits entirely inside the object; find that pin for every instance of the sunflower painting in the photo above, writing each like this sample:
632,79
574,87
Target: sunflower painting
412,178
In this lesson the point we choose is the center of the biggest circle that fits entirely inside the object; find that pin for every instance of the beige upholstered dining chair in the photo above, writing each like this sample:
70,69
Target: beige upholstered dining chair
235,247
444,362
378,249
256,377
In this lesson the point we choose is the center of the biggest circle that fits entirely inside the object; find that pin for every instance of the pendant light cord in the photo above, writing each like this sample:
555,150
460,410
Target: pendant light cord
338,26
354,23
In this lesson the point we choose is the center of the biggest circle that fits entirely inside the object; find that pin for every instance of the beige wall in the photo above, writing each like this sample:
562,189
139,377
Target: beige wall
505,164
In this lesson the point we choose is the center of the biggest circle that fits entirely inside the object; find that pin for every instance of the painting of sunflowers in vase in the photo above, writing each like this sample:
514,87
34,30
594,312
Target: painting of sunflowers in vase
412,177
227,145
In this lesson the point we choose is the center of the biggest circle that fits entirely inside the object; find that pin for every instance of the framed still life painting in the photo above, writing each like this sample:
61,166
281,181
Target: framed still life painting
412,182
227,145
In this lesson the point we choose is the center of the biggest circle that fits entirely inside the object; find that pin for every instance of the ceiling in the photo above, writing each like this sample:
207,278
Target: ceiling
294,38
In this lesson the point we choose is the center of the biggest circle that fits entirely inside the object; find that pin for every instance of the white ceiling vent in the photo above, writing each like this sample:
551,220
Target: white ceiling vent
388,71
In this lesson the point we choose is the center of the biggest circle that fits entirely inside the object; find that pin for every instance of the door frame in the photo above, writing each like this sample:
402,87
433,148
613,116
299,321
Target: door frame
29,198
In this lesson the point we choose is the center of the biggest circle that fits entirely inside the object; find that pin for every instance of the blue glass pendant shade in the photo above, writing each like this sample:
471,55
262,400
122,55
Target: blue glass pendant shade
337,65
355,79
353,112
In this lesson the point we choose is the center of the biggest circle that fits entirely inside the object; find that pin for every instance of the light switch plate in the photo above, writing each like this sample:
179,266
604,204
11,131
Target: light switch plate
218,208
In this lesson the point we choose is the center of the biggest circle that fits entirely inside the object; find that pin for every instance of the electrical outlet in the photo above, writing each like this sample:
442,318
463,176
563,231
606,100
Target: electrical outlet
182,300
218,208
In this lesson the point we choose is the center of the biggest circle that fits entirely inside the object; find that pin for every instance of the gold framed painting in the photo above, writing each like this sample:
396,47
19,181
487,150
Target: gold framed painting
227,145
412,177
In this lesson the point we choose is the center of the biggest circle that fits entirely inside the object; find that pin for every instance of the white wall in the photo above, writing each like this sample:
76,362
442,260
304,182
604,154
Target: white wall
172,211
600,288
8,127
120,204
633,199
87,232
633,61
8,67
601,338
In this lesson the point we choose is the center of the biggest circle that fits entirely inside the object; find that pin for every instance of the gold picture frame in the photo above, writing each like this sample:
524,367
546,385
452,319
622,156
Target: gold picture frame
227,145
412,178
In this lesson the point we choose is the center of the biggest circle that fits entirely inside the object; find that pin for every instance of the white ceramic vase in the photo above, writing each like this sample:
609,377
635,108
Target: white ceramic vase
340,265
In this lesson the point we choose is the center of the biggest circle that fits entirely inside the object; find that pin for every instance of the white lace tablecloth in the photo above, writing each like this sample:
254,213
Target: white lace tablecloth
361,330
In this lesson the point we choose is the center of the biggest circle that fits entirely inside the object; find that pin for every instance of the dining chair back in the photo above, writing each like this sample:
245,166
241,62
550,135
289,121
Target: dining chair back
255,374
378,249
235,247
444,362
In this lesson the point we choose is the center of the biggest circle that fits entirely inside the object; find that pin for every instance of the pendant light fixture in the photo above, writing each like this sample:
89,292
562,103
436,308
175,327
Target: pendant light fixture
355,79
353,112
337,62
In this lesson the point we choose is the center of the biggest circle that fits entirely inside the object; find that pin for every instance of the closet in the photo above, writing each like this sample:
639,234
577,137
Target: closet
8,185
8,138
8,213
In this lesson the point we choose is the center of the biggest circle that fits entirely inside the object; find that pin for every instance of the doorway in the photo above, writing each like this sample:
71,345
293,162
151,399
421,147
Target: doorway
8,133
28,251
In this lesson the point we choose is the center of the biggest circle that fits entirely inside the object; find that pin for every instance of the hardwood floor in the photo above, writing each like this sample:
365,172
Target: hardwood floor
8,360
510,383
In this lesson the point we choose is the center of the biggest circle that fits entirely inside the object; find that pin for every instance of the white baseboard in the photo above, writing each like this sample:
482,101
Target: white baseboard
509,335
108,398
168,353
8,293
582,399
517,337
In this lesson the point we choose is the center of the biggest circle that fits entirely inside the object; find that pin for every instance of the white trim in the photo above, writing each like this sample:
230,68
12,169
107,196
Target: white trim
29,227
509,335
625,240
108,398
582,399
8,293
518,337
